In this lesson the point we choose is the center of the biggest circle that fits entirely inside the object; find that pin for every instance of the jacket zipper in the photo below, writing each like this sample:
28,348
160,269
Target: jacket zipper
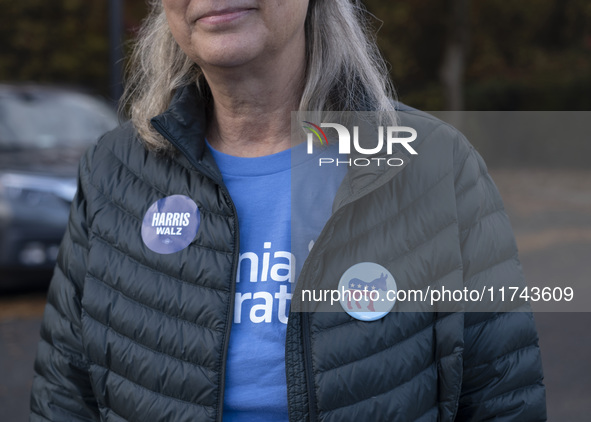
305,319
306,337
231,301
236,257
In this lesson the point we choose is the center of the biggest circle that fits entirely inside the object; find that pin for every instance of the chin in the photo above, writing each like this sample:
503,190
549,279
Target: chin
229,50
228,59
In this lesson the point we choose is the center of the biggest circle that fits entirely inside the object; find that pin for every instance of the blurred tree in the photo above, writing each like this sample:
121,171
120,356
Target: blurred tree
53,41
521,55
526,55
59,41
410,36
453,66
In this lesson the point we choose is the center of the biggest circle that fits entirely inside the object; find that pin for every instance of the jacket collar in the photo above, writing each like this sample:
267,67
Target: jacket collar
184,124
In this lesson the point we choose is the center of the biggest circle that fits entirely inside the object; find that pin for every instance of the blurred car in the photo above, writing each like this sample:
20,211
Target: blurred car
43,133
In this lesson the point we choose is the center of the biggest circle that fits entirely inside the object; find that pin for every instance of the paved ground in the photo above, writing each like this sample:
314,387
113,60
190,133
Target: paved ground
18,342
551,216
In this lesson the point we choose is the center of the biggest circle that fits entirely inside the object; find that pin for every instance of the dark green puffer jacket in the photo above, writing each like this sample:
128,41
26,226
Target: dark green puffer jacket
131,335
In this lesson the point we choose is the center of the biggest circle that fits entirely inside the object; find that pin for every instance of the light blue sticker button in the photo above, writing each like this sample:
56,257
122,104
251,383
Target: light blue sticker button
170,224
368,291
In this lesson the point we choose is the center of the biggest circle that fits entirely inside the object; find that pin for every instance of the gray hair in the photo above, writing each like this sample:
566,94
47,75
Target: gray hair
344,69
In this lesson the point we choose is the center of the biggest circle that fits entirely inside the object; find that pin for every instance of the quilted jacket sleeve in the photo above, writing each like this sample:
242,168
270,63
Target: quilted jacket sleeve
61,387
502,375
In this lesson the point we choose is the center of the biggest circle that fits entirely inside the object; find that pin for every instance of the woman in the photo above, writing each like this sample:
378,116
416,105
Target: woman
180,234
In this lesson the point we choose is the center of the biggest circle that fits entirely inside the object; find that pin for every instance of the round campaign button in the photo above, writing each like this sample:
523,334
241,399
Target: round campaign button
367,291
170,224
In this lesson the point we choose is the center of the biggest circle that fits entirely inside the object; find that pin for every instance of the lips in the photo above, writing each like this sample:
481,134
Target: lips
224,15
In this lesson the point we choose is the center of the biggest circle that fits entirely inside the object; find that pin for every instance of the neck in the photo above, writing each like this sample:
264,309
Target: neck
251,112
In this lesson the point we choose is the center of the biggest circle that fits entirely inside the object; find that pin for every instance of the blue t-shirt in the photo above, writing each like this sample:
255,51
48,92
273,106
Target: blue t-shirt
261,189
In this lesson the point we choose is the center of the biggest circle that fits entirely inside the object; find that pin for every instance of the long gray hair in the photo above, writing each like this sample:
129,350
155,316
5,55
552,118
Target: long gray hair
344,69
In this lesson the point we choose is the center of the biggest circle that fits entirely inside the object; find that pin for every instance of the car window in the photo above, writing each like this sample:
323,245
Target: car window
52,119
